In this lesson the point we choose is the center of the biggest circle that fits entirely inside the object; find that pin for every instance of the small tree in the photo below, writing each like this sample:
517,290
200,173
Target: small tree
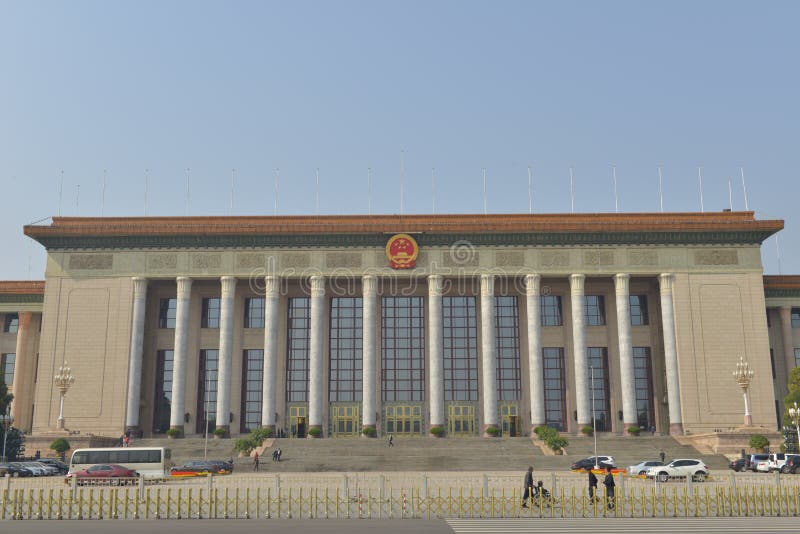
588,430
634,430
437,431
60,446
759,442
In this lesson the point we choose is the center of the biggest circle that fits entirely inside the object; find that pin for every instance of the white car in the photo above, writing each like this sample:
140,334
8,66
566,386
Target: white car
642,467
37,470
680,469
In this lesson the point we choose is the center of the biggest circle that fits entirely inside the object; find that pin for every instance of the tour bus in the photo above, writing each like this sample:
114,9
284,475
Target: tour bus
150,462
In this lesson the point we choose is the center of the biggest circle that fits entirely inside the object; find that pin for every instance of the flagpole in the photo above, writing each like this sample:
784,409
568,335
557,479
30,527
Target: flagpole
660,190
700,178
571,190
530,190
744,190
616,198
103,195
484,191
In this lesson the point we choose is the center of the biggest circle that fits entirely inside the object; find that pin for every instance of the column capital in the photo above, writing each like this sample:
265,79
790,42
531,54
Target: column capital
24,320
435,285
577,283
665,281
184,286
317,286
272,285
487,285
139,287
369,284
532,282
228,285
786,308
622,283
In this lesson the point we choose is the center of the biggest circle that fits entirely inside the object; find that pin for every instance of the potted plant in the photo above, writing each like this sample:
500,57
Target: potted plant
634,430
492,431
587,430
173,433
369,431
437,431
220,432
315,432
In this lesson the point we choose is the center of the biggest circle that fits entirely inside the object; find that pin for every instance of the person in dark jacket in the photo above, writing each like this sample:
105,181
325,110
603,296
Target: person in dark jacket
592,485
610,485
528,487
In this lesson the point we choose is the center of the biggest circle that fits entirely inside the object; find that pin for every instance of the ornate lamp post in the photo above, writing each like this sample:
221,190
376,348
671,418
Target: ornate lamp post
743,376
63,380
794,415
6,421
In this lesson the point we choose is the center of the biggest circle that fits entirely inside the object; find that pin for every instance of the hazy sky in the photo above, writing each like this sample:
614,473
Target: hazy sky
343,86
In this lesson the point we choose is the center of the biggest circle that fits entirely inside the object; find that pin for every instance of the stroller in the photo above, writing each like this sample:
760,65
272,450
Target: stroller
541,497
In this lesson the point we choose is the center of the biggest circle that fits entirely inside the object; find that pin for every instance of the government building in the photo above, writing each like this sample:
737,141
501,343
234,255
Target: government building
405,324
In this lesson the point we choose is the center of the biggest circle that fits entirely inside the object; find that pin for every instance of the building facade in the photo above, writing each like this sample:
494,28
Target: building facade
335,324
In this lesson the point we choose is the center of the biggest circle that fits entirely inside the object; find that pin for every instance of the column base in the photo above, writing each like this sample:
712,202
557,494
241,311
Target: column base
369,431
748,420
676,429
491,431
436,430
60,424
625,428
314,432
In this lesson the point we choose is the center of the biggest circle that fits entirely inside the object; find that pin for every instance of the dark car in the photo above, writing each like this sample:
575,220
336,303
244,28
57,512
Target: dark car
224,465
112,473
739,464
15,470
792,464
63,468
195,467
601,461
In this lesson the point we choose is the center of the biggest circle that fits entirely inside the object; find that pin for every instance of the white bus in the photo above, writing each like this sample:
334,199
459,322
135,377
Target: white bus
150,462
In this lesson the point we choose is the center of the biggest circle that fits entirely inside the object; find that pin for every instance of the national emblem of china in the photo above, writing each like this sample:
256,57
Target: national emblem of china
402,251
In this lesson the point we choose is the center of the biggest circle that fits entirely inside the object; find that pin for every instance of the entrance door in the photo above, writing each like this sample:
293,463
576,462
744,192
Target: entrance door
400,419
460,420
297,421
345,420
508,414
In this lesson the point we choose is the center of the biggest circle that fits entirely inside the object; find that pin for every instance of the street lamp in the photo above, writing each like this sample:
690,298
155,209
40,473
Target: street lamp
6,420
63,380
594,424
794,415
744,375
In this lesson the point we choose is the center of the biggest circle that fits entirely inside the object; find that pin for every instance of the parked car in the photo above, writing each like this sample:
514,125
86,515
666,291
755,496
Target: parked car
49,470
739,464
15,470
681,468
63,468
37,470
753,459
792,464
224,465
195,468
110,472
600,461
642,467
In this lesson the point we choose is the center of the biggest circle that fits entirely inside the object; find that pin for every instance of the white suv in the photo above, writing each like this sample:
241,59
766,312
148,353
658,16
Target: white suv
680,469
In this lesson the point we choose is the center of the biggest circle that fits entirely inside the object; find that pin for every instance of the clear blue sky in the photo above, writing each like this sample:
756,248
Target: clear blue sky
343,86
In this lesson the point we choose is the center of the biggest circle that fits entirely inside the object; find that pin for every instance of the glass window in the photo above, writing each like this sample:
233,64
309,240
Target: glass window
403,349
207,389
507,333
297,350
254,312
795,317
595,310
551,310
639,316
210,317
166,312
597,358
163,401
345,346
11,323
460,349
7,369
554,387
252,388
797,357
643,376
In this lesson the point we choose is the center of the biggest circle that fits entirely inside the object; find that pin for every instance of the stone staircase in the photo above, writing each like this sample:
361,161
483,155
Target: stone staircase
429,454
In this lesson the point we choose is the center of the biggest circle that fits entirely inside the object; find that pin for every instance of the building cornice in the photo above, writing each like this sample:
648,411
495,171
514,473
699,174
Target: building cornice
781,286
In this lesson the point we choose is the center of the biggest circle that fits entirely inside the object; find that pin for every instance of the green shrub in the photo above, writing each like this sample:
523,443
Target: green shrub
634,430
759,442
587,430
220,432
315,432
557,442
261,433
60,445
173,433
437,431
245,445
493,431
369,431
545,433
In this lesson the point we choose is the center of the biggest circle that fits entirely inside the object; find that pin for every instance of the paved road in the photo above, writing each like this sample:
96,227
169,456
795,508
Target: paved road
656,525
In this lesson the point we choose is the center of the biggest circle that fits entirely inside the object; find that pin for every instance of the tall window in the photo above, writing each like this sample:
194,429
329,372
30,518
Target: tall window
252,381
797,357
639,316
166,313
551,310
7,368
345,344
643,375
554,387
402,349
595,310
163,401
507,333
795,317
597,358
460,349
254,312
11,323
207,389
210,314
297,350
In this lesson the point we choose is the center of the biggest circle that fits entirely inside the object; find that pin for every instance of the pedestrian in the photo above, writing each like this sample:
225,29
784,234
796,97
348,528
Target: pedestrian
391,440
528,486
255,461
280,452
126,440
275,455
592,485
662,455
653,430
609,483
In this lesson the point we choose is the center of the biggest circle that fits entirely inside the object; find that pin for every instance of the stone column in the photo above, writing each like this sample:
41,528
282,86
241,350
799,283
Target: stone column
269,394
488,353
435,350
20,386
671,355
135,358
535,363
316,333
582,398
369,289
627,378
787,340
178,407
226,312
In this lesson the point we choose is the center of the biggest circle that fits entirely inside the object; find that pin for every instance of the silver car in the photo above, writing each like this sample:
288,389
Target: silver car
642,467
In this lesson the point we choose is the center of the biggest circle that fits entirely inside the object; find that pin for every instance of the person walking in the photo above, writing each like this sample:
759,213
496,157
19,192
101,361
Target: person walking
279,452
255,461
610,485
528,486
391,440
662,455
592,485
